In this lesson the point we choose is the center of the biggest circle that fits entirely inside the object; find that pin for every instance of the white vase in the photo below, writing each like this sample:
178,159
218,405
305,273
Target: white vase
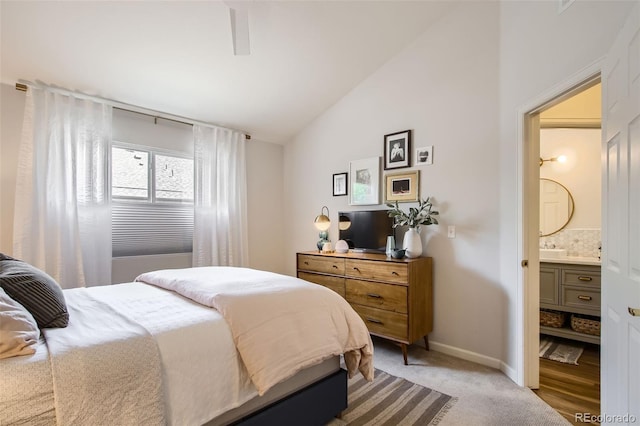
412,243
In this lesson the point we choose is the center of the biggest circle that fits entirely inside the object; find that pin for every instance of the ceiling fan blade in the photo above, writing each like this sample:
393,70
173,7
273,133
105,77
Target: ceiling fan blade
239,29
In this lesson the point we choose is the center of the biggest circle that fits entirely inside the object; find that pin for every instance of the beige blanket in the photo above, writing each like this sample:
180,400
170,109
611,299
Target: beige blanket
280,324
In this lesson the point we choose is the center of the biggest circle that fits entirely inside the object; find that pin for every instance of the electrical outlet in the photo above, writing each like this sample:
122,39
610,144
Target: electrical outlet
451,231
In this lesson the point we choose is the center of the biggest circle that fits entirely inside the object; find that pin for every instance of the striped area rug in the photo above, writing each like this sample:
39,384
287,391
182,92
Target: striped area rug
393,401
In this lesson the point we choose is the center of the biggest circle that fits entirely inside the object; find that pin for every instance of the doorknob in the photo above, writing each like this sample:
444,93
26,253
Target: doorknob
634,312
524,263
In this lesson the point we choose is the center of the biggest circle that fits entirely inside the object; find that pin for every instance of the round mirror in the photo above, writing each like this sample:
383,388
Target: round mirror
556,207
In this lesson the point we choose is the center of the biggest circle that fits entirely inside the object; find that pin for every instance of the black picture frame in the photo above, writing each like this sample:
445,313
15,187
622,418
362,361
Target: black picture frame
397,150
340,184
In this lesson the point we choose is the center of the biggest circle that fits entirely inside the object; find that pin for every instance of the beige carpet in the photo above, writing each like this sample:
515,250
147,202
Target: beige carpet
485,396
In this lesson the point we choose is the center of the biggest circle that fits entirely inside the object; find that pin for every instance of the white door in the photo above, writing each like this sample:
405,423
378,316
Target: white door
620,366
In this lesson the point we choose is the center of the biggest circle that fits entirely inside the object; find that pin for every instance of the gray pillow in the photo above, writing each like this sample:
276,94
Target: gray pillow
40,294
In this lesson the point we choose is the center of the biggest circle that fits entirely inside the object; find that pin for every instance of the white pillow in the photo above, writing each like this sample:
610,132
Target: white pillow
19,331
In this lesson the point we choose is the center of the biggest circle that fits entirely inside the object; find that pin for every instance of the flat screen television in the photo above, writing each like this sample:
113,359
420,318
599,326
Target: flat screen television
368,231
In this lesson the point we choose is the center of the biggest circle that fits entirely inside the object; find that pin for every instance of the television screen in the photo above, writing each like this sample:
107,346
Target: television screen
368,231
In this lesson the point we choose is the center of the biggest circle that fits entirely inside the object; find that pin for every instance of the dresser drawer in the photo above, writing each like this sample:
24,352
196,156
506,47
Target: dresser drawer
381,271
328,265
384,323
581,278
389,297
334,283
583,298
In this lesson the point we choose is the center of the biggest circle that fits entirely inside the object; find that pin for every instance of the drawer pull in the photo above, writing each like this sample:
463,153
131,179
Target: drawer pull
306,263
375,296
583,278
587,298
334,266
373,320
394,273
356,269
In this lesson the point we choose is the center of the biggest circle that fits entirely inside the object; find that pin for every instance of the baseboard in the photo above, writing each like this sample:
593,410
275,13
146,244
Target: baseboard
473,357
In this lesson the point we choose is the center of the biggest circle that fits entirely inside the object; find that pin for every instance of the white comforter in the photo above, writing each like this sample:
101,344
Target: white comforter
279,324
202,374
105,357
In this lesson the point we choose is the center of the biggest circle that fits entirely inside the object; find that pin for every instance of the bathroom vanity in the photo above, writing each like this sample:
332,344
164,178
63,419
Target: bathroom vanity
570,285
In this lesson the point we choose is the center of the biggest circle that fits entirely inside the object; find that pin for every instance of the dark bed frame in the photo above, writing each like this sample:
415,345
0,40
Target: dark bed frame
313,405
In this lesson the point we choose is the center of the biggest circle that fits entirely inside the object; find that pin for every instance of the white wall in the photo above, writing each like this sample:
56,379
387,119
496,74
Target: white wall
444,87
539,50
459,87
264,188
580,174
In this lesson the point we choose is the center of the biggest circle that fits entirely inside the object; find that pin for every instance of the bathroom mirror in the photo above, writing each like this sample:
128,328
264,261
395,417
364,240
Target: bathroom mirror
556,207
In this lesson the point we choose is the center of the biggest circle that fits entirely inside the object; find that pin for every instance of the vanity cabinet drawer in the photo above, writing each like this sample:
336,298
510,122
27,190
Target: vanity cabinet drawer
327,265
334,283
588,278
384,323
380,271
583,298
389,297
572,288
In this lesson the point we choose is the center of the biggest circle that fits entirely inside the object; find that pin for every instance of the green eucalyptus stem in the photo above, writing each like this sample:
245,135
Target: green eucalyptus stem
423,215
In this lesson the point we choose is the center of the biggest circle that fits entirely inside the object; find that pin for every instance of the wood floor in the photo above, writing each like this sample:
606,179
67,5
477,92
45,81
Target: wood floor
572,389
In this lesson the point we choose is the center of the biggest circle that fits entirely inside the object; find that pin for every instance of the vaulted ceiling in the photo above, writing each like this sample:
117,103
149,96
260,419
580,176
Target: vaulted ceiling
177,56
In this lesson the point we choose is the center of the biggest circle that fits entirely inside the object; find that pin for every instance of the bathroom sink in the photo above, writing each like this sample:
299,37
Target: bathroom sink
552,253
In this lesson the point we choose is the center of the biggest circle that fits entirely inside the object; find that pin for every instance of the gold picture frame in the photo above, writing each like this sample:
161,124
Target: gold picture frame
402,187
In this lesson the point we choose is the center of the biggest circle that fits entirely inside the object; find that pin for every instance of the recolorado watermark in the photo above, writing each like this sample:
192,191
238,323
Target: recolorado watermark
604,418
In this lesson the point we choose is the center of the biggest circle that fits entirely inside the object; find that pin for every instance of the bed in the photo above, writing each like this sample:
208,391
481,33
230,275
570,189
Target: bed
195,346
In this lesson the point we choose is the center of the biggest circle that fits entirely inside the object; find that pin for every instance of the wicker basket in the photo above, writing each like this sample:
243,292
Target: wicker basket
586,325
551,318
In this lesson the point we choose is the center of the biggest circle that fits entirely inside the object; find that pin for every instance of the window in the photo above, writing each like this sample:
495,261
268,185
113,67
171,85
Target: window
129,173
152,194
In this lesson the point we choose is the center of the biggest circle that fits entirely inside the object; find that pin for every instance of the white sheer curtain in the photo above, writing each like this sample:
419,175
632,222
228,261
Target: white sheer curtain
220,210
62,221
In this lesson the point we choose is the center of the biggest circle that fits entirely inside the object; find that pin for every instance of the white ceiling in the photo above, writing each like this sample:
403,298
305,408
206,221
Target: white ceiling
177,56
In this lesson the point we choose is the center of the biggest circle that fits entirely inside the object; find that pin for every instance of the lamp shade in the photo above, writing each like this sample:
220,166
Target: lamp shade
344,223
322,221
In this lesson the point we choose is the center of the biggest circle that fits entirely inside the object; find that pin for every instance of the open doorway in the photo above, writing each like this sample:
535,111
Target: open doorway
563,184
570,242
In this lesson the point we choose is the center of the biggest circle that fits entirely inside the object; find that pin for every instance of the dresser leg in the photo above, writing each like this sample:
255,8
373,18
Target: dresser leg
404,353
426,342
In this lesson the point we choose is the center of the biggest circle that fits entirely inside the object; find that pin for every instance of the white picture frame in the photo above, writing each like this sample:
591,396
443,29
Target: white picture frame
364,182
424,156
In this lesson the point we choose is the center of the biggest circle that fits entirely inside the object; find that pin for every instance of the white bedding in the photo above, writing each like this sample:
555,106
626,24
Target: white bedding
199,373
279,324
101,364
202,372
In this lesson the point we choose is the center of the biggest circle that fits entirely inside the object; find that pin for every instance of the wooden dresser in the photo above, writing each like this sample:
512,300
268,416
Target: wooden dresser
394,297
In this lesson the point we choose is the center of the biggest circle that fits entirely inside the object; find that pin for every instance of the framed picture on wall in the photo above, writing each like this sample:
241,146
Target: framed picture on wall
397,150
364,181
424,156
340,184
402,187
